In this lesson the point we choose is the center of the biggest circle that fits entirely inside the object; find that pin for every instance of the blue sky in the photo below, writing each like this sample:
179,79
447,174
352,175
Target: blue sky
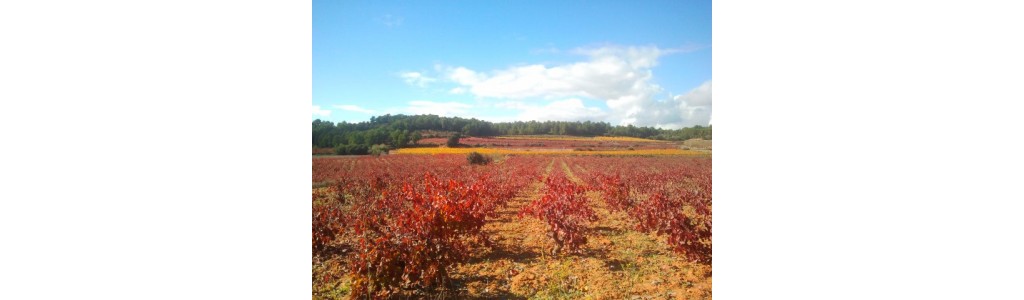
646,63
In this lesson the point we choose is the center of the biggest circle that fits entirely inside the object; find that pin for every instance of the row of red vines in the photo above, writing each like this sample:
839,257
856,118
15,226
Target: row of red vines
564,208
409,219
667,196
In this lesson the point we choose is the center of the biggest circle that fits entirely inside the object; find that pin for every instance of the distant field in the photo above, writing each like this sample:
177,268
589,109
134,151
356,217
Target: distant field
697,144
322,151
543,151
559,142
578,138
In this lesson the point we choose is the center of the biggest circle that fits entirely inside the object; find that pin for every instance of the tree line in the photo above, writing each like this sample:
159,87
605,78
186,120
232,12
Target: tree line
397,131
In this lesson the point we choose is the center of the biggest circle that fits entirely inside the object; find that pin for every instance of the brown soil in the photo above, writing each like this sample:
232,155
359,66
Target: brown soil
617,262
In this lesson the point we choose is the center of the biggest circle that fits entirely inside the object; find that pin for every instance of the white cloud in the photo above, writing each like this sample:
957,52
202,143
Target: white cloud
700,96
438,108
465,76
320,112
622,77
692,108
564,110
611,73
416,78
518,105
391,21
354,108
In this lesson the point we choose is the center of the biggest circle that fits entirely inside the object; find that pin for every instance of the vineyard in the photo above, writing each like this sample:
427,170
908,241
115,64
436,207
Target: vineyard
436,150
520,226
559,142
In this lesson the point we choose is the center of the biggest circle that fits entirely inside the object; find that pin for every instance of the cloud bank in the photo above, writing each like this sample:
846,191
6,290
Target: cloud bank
622,77
563,110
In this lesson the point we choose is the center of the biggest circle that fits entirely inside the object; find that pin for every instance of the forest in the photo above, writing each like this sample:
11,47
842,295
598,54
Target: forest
397,131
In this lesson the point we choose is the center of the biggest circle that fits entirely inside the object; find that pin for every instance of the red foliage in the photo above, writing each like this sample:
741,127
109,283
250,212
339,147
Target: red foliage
689,236
328,223
410,219
670,186
565,209
412,238
532,143
616,192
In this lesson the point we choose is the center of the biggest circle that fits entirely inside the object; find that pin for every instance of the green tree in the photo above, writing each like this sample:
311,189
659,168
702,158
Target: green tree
402,140
416,137
379,149
454,140
387,129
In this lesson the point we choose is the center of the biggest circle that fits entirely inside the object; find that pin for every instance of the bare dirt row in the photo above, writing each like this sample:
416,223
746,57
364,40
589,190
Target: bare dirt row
617,262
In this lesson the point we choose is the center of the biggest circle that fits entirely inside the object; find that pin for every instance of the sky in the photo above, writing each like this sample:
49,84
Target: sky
645,63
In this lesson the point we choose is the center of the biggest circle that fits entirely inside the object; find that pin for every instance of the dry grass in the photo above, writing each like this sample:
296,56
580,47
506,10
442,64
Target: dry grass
700,144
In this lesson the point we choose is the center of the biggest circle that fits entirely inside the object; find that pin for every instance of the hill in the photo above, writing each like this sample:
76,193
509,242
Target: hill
399,131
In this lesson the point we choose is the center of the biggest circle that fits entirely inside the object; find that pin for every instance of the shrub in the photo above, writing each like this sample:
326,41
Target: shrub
475,158
564,208
328,223
454,140
377,150
687,235
412,237
616,191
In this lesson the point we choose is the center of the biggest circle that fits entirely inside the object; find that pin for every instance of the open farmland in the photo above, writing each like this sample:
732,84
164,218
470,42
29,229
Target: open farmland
522,226
542,151
560,142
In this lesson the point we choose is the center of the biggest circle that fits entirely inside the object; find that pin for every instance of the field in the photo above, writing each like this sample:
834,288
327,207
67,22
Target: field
521,226
544,151
559,142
